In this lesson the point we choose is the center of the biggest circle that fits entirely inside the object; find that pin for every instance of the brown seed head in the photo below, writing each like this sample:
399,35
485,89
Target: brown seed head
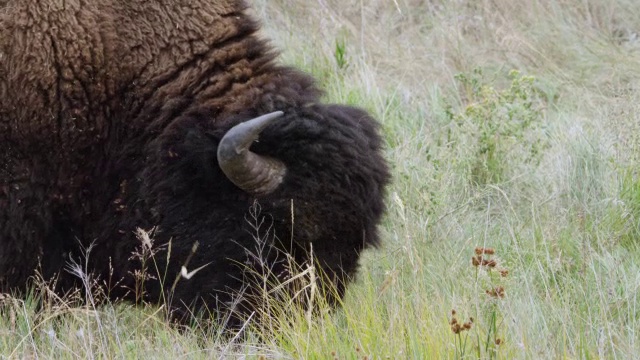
497,292
476,260
490,263
481,250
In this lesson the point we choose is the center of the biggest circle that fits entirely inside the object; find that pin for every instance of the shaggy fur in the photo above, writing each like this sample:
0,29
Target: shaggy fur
110,116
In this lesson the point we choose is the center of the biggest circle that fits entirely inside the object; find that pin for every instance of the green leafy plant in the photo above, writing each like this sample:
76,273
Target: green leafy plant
505,123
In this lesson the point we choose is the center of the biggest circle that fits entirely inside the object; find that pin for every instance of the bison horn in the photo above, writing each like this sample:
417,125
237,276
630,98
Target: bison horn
253,173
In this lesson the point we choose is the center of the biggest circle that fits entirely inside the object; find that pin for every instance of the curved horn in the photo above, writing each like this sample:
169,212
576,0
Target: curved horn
253,173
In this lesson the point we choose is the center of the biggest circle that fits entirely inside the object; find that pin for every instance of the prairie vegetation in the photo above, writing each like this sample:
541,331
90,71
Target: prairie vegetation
513,226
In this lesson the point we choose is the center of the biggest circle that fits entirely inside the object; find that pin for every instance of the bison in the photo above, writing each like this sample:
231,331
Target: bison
174,115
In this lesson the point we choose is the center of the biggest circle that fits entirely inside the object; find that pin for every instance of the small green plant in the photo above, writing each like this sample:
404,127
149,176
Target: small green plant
340,53
460,331
628,211
505,124
494,291
490,277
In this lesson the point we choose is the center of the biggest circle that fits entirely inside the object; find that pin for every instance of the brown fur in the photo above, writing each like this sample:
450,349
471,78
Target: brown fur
110,116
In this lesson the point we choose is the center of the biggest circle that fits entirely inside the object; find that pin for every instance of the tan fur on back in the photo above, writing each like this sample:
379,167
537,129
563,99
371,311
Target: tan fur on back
74,61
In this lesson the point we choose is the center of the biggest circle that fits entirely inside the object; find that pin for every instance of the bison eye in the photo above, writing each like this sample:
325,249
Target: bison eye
253,173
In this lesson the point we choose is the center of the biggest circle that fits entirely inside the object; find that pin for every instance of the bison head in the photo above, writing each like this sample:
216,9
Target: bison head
262,191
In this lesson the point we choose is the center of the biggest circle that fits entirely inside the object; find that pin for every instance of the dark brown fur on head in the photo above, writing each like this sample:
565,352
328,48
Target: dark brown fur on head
111,113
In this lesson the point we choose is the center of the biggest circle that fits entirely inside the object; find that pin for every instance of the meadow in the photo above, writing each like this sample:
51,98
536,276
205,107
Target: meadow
513,222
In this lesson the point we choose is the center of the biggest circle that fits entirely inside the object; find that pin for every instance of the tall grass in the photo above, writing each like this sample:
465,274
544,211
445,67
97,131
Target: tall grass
565,223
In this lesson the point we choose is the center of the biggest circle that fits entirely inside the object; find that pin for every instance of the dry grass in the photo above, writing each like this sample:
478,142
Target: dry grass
567,226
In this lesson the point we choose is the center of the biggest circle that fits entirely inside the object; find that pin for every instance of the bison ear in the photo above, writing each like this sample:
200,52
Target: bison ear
253,173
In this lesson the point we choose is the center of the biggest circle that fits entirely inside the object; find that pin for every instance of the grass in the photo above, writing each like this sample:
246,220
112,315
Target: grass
546,175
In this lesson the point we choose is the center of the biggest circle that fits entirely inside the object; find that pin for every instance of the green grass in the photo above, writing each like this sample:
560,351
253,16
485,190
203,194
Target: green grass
544,171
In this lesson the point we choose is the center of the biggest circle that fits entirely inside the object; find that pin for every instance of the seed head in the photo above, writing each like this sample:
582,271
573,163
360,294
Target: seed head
497,292
488,251
476,261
